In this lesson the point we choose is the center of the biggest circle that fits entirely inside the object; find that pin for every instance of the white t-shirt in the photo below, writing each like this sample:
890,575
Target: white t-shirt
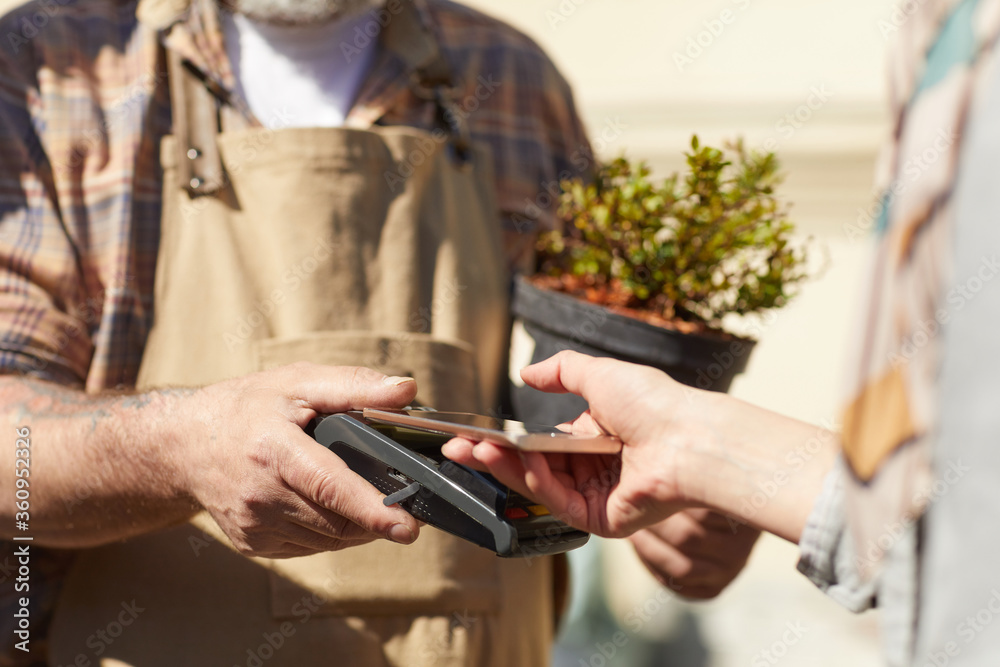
296,76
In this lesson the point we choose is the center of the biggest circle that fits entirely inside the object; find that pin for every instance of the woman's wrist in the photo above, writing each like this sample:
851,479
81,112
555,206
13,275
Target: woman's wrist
754,465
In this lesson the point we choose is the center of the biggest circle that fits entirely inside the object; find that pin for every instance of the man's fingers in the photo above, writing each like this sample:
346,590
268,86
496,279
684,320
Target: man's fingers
351,496
685,533
310,541
327,524
293,549
668,563
321,477
693,549
662,558
329,389
708,536
683,528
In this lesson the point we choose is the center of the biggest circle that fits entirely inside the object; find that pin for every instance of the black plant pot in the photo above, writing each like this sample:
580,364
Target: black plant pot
557,322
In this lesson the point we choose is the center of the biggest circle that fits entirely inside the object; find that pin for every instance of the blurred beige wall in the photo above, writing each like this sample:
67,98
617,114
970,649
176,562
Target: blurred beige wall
810,78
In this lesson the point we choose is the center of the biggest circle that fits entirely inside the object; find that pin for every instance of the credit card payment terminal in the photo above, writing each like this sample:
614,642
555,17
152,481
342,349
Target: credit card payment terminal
408,467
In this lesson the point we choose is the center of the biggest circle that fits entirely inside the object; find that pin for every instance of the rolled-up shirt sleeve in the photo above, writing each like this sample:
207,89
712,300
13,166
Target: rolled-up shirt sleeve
826,550
39,339
44,328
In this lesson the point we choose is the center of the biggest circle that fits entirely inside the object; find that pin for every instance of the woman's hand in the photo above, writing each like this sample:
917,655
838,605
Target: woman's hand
609,495
683,447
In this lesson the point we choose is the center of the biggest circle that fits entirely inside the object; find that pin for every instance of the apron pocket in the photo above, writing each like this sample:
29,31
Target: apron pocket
445,371
439,573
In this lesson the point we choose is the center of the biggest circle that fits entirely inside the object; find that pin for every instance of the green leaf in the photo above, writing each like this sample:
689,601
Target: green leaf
698,245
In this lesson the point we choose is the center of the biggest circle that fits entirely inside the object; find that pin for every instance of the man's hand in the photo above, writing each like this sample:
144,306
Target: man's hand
107,467
682,448
696,553
272,489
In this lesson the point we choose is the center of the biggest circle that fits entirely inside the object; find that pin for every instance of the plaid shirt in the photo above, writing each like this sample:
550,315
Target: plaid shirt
83,105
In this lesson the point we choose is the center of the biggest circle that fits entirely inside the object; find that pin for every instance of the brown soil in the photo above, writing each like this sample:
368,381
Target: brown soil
617,300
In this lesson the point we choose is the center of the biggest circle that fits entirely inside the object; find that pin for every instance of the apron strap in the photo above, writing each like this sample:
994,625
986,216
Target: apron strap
198,101
196,123
410,36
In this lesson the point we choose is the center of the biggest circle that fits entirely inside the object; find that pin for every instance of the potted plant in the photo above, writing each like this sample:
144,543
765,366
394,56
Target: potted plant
645,271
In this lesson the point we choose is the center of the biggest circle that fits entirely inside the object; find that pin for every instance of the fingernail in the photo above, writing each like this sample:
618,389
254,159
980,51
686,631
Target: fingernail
402,534
396,381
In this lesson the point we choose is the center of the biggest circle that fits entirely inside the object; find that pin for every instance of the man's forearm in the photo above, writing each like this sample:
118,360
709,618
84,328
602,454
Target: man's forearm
102,467
760,467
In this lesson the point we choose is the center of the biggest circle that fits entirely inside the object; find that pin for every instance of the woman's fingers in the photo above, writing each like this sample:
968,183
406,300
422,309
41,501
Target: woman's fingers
564,372
504,464
459,450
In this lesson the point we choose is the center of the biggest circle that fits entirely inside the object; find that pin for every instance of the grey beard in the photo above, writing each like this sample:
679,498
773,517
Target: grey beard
300,12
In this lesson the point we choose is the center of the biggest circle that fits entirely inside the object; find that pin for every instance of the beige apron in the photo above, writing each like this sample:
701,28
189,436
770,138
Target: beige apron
306,250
